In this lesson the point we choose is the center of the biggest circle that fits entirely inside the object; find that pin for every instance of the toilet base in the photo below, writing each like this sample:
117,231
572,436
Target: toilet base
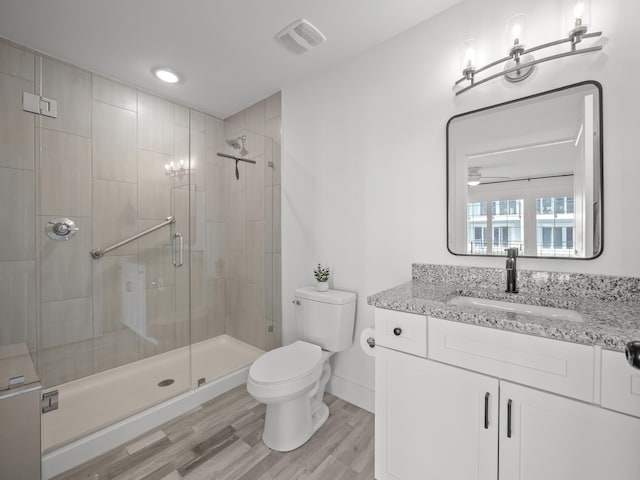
320,416
288,425
291,424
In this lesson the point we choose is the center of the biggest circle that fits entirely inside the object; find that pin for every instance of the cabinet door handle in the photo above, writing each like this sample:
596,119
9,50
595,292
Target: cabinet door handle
486,410
509,418
397,331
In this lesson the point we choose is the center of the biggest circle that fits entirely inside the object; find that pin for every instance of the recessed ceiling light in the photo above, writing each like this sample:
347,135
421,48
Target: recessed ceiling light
166,74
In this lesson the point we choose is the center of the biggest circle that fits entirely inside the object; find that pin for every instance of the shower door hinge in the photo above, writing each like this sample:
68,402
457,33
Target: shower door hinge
49,401
39,105
16,382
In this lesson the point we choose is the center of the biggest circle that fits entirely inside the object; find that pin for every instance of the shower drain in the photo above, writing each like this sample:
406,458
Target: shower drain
166,383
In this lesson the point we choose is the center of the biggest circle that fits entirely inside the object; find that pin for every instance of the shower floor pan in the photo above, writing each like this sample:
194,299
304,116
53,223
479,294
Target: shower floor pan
98,401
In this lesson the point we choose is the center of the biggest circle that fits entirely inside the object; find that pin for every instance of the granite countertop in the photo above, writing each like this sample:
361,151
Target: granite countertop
607,323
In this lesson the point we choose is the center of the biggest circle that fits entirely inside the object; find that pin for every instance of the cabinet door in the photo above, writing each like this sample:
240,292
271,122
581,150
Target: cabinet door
555,438
430,420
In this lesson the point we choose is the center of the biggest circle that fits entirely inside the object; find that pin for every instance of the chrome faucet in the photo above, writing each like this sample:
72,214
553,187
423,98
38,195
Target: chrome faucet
512,273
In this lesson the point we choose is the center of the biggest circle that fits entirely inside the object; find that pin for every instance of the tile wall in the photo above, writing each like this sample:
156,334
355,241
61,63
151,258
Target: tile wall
17,190
253,241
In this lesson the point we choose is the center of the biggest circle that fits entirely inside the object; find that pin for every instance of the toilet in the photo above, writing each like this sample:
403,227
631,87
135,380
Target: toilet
291,380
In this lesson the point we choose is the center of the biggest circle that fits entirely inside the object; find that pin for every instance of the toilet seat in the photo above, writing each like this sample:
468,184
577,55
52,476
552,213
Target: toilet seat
285,371
286,364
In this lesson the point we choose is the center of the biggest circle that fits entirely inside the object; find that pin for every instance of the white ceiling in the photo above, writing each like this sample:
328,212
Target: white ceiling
225,49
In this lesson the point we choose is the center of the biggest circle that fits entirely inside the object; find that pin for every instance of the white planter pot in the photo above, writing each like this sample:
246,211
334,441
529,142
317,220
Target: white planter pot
323,286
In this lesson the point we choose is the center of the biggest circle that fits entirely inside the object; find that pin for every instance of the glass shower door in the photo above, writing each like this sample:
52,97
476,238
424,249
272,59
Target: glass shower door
116,321
110,153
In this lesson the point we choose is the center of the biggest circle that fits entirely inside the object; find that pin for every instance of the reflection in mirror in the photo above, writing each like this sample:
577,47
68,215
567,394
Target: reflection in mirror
528,174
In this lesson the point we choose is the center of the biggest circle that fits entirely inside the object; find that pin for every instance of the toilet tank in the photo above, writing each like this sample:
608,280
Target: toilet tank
326,318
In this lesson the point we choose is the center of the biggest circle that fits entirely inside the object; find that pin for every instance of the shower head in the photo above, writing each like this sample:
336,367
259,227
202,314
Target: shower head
234,142
238,144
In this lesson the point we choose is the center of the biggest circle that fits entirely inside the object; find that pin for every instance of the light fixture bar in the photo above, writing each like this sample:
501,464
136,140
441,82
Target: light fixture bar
531,63
487,66
493,64
560,42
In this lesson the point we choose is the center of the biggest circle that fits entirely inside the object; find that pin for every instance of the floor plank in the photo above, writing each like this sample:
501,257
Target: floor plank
222,440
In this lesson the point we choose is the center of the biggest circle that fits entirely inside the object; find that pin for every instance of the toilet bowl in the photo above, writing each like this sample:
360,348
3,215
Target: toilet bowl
291,380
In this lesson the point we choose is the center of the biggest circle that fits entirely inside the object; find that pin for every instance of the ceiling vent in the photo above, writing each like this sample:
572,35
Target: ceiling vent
301,36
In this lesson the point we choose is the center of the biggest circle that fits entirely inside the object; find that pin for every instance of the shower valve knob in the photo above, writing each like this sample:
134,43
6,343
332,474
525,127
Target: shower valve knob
61,229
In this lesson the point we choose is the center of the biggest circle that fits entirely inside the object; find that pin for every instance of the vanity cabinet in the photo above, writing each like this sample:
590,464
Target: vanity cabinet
556,438
430,420
482,403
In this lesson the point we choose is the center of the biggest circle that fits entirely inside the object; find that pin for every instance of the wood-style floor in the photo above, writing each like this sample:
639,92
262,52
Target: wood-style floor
222,440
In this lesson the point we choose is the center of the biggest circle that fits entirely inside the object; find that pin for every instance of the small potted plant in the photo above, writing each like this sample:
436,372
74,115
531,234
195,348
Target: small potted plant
322,275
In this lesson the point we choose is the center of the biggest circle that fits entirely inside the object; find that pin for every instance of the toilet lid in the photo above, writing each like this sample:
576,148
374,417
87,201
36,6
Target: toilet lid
286,363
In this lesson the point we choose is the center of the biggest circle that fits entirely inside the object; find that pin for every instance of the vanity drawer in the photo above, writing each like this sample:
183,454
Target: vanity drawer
406,332
620,384
553,365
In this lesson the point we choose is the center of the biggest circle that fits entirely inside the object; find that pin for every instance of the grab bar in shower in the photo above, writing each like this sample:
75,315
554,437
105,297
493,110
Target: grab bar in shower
100,252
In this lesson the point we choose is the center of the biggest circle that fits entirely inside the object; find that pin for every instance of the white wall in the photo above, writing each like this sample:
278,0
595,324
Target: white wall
364,168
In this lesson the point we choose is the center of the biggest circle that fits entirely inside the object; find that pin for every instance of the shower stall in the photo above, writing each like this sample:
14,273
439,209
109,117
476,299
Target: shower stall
137,264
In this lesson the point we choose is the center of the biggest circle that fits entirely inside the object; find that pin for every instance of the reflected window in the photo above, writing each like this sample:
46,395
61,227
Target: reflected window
555,225
477,227
494,226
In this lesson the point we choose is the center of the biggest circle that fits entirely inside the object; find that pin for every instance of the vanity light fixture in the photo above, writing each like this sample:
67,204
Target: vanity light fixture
520,63
166,74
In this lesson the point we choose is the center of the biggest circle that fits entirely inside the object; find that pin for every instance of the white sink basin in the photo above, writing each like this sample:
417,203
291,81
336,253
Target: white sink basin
552,313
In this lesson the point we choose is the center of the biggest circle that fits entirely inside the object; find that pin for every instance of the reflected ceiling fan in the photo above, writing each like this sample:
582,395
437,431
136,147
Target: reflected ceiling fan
474,176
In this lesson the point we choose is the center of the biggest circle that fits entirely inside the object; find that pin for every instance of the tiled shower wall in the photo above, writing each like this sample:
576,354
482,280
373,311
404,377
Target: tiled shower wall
101,163
253,248
17,193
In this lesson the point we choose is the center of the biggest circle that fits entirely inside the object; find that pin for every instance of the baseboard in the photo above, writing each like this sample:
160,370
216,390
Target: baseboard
97,443
359,395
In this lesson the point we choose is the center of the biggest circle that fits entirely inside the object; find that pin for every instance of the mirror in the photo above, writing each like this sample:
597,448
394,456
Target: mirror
528,174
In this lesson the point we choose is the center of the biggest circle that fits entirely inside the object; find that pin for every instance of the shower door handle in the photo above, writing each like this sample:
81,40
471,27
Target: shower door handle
177,243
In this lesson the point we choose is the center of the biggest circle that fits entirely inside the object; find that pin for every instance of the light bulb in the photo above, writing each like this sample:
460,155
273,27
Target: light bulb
515,33
167,167
468,57
577,14
516,30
